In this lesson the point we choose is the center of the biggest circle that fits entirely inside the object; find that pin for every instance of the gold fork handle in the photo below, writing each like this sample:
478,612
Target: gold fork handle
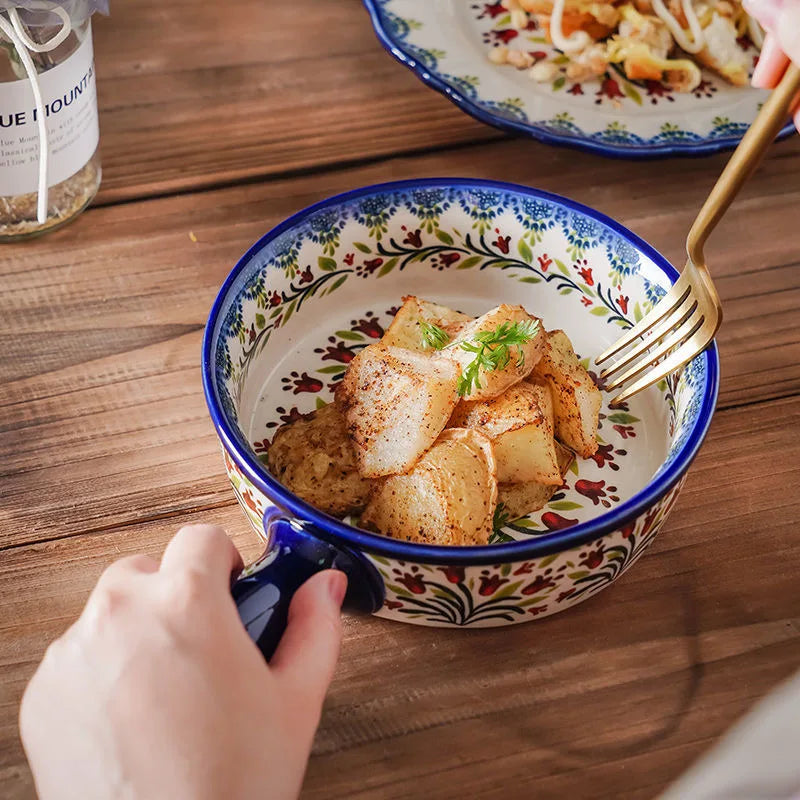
744,161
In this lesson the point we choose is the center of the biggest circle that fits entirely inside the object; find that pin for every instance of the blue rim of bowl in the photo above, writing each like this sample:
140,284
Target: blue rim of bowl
650,151
334,530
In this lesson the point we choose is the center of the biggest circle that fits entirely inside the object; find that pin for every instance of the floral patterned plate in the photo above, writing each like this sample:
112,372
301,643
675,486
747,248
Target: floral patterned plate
445,43
321,286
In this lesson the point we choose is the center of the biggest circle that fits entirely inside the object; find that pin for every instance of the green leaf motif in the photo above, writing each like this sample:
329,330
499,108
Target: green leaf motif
562,266
289,311
622,418
498,537
398,590
565,505
530,279
507,591
505,569
444,236
321,403
573,467
547,561
350,336
260,321
566,290
337,283
559,82
637,312
362,247
470,262
388,267
525,251
599,311
532,601
632,93
578,575
335,369
326,264
525,523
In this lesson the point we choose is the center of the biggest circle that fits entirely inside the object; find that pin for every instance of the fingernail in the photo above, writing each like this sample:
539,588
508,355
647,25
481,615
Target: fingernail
337,586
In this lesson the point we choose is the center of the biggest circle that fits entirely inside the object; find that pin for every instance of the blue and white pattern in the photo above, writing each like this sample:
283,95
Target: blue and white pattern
419,33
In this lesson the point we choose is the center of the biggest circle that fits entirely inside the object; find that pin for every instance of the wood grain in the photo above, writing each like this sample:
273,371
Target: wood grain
102,419
612,699
197,94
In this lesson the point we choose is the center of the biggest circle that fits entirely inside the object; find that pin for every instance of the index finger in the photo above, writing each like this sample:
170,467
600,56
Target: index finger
204,549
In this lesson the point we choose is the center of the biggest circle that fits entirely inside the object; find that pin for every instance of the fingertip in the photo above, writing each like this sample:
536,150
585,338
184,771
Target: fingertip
772,63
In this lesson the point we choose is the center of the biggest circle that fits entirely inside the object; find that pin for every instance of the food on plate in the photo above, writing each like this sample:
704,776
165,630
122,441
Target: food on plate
446,426
515,500
448,498
417,316
659,40
395,403
519,423
495,351
576,400
314,457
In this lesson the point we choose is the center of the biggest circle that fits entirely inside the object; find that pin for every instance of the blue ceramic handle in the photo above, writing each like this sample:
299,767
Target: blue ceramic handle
293,556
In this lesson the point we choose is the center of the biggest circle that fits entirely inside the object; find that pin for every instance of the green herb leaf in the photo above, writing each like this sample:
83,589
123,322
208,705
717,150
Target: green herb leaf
433,336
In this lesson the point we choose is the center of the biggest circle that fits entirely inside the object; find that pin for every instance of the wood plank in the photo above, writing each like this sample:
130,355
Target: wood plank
102,418
197,94
611,700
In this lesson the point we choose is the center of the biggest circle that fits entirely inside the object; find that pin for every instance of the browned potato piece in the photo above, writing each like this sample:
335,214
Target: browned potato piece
405,330
519,499
519,424
448,498
395,403
314,458
576,400
495,382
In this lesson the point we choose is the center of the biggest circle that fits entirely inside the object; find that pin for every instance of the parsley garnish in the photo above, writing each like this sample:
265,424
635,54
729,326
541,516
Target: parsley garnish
492,351
433,336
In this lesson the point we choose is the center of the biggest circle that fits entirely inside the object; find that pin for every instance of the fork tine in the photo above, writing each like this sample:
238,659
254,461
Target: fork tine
681,334
673,298
659,332
681,356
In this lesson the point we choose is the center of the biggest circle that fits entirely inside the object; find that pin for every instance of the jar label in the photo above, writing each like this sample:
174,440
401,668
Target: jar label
70,98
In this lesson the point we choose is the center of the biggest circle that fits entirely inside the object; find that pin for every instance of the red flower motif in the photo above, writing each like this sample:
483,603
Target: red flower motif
625,431
306,275
564,595
490,584
594,558
413,238
392,604
372,264
586,274
252,334
250,501
627,530
541,583
261,447
293,415
604,455
274,299
610,88
525,569
536,610
744,42
544,262
586,301
449,258
370,327
623,303
504,36
413,582
492,10
576,89
656,88
339,352
592,489
305,383
555,522
348,259
648,521
501,243
538,55
453,574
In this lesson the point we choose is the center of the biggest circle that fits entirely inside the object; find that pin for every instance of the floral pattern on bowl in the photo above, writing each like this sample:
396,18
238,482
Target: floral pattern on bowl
323,285
446,43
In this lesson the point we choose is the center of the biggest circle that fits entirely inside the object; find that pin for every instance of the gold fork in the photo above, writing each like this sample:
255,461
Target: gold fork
684,321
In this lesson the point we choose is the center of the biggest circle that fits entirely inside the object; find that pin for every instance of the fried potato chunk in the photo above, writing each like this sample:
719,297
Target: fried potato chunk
314,458
447,499
395,403
519,424
406,331
576,400
519,499
523,358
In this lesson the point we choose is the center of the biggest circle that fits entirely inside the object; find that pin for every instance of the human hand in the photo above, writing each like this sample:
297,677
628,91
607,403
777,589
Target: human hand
781,21
157,690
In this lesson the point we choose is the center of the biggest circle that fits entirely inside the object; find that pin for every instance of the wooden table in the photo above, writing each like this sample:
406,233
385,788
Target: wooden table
219,120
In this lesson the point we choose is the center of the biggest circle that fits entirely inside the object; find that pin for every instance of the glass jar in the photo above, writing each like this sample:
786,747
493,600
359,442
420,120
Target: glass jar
66,81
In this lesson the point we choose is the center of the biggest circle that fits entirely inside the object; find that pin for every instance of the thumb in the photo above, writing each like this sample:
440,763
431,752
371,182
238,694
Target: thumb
307,654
